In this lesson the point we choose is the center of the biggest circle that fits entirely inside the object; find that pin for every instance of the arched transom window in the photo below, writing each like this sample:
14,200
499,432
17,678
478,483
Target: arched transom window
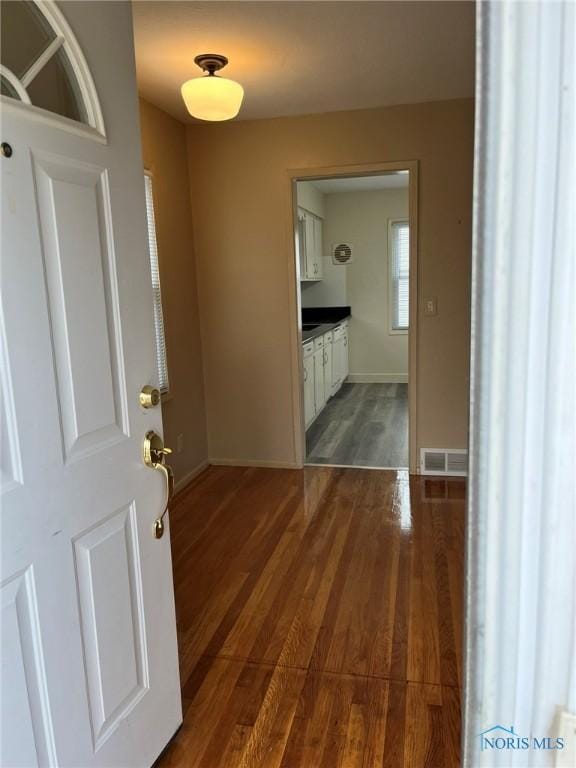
41,63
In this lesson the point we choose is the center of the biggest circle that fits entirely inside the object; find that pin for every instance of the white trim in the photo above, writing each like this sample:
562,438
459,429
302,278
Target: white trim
66,40
189,476
296,361
377,378
359,466
78,62
41,61
15,83
51,119
520,666
254,463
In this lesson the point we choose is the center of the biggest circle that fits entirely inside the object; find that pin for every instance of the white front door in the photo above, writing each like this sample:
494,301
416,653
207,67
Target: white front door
89,658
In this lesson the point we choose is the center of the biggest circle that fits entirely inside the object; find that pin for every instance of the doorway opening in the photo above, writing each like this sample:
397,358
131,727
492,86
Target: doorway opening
355,253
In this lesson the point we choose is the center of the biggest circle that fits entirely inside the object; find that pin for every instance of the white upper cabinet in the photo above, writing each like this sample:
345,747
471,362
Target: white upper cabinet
310,245
317,252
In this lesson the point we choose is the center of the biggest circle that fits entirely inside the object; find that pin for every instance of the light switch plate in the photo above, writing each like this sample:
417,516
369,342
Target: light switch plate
431,306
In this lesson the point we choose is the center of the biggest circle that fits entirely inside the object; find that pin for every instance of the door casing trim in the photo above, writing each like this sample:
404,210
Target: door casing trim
296,371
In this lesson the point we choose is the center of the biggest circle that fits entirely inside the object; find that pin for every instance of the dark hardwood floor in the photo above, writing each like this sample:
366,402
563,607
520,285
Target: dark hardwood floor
319,619
363,425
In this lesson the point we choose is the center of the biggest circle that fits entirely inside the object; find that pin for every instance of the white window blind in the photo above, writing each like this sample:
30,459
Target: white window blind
157,295
400,274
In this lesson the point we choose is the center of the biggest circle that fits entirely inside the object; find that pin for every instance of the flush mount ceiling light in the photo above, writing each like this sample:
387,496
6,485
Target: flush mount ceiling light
212,97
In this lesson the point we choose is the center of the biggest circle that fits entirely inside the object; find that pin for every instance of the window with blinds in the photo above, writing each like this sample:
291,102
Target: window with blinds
399,274
157,295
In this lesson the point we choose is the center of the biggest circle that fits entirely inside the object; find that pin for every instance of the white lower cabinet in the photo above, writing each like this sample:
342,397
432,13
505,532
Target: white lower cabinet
325,369
345,355
327,366
338,366
309,409
319,395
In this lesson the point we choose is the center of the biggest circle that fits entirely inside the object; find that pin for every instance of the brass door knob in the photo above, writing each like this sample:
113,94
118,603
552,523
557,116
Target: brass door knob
153,453
149,396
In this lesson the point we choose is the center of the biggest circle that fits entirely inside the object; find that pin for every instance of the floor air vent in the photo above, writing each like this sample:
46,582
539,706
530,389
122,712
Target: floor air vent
442,461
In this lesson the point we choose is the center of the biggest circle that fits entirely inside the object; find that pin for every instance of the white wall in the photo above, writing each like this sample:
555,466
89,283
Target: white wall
361,218
331,291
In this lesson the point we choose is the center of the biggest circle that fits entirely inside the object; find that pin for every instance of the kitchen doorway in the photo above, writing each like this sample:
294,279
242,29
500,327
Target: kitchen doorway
355,252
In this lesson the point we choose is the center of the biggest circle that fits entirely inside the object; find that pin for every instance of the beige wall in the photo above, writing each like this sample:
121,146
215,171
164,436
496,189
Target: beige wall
361,218
183,412
243,237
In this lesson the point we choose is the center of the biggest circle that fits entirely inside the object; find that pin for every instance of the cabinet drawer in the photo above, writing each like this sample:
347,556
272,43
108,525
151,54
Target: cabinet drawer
319,342
338,332
328,337
308,348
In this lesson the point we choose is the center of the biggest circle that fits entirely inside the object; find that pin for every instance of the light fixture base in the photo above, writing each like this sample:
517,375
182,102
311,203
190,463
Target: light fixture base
211,62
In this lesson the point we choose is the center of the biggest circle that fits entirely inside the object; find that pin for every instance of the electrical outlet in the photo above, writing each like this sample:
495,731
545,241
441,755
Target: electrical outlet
431,306
180,443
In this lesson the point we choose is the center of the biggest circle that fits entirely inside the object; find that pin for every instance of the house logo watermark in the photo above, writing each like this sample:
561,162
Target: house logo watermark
498,737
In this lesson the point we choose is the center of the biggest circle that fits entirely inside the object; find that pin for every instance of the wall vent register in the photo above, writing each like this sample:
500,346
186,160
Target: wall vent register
444,461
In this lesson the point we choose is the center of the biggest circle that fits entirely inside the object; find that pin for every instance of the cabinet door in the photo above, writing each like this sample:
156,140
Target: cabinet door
302,243
317,248
319,396
327,369
345,356
337,362
309,407
309,249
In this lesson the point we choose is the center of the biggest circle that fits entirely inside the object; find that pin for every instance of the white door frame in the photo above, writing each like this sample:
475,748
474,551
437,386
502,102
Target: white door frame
520,668
342,171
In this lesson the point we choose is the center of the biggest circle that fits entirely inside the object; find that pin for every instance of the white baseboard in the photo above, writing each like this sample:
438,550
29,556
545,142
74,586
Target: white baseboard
377,378
254,463
189,476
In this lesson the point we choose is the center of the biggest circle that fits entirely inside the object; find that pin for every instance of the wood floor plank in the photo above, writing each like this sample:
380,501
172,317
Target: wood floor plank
319,619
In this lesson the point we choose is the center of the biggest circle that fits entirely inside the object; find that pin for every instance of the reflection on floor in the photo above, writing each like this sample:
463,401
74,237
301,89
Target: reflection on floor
363,425
319,619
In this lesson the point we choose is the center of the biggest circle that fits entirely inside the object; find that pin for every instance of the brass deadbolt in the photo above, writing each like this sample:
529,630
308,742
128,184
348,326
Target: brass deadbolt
149,396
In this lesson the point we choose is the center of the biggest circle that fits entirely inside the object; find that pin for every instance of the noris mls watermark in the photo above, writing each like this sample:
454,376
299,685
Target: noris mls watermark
498,737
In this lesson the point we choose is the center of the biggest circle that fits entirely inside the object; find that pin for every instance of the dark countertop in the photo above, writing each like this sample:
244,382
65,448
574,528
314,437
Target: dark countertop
324,314
319,331
324,318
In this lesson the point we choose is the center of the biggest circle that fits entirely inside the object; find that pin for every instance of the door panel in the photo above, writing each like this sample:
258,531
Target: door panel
309,407
327,370
317,248
27,738
74,209
319,399
110,595
309,246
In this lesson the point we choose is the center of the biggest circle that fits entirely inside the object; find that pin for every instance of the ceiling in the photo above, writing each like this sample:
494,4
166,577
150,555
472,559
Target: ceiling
296,58
361,183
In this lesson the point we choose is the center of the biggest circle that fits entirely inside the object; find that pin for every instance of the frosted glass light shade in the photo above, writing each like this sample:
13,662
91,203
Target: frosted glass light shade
212,97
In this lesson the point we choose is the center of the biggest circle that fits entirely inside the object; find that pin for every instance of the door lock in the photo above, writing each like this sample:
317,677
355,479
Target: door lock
149,396
153,455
